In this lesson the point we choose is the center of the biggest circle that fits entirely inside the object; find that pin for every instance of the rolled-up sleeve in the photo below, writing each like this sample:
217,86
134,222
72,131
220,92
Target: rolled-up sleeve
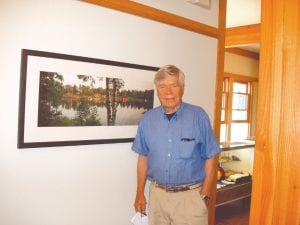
211,146
139,145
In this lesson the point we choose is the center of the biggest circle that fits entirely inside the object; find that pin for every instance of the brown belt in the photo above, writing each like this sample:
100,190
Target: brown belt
177,188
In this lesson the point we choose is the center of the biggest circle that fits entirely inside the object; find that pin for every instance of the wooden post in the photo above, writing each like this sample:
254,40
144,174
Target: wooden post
218,91
276,183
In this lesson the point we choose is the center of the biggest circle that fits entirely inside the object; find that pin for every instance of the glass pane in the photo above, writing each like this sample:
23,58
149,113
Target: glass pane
224,100
223,133
239,115
223,115
239,87
239,131
239,101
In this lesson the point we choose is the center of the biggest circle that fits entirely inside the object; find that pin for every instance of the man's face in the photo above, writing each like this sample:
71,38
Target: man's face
170,92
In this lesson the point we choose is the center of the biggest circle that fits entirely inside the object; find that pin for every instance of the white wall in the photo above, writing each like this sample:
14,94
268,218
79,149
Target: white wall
248,12
246,155
241,65
95,184
188,10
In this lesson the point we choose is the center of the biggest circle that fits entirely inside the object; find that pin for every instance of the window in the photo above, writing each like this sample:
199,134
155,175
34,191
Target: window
238,108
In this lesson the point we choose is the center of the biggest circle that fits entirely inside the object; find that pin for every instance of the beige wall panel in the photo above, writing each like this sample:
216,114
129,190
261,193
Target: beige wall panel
241,65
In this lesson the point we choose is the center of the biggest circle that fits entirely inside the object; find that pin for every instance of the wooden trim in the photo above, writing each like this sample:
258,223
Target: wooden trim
229,112
276,184
251,110
242,35
148,12
254,93
218,94
220,68
240,77
243,52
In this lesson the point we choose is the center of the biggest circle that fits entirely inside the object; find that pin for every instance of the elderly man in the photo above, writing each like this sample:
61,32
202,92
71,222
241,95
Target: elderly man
177,154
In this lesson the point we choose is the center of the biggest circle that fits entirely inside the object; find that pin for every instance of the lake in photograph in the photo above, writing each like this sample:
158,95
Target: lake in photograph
87,100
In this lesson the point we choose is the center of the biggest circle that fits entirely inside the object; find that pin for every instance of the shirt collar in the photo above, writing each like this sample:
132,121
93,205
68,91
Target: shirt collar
178,113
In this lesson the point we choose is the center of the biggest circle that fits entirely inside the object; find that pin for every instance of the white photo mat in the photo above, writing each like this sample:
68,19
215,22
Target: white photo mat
31,135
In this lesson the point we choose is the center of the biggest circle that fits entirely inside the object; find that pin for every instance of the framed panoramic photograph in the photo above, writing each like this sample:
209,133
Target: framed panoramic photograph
74,100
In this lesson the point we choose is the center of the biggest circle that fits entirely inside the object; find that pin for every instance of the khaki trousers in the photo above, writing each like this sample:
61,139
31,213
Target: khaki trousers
179,208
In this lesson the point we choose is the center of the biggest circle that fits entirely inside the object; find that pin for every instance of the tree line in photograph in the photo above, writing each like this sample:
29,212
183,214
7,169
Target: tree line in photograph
85,99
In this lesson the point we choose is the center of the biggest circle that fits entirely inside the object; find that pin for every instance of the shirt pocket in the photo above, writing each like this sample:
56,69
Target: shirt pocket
186,147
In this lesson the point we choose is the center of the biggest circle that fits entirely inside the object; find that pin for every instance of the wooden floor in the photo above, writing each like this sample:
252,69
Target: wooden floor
236,213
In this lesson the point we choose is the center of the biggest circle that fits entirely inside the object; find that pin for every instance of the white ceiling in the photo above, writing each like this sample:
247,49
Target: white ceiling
243,12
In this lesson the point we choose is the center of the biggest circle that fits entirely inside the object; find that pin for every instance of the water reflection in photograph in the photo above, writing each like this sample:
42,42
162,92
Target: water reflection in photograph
86,100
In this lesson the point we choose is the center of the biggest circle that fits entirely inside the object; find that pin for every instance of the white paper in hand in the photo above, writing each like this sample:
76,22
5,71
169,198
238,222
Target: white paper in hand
139,219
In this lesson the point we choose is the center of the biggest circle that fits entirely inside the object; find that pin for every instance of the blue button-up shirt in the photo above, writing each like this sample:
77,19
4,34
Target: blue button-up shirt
176,149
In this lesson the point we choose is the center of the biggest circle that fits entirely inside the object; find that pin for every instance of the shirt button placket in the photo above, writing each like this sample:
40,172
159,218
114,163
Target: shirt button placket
169,154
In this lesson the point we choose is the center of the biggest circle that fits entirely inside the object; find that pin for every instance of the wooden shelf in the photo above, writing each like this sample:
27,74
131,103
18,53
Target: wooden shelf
233,193
237,145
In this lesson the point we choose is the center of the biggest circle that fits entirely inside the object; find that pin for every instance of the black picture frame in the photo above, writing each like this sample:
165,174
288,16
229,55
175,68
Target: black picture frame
39,67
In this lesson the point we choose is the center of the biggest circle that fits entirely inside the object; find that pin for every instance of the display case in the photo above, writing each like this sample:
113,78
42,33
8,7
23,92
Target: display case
236,182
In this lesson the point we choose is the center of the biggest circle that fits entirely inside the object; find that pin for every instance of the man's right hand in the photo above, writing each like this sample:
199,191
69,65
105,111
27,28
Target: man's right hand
140,203
140,200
